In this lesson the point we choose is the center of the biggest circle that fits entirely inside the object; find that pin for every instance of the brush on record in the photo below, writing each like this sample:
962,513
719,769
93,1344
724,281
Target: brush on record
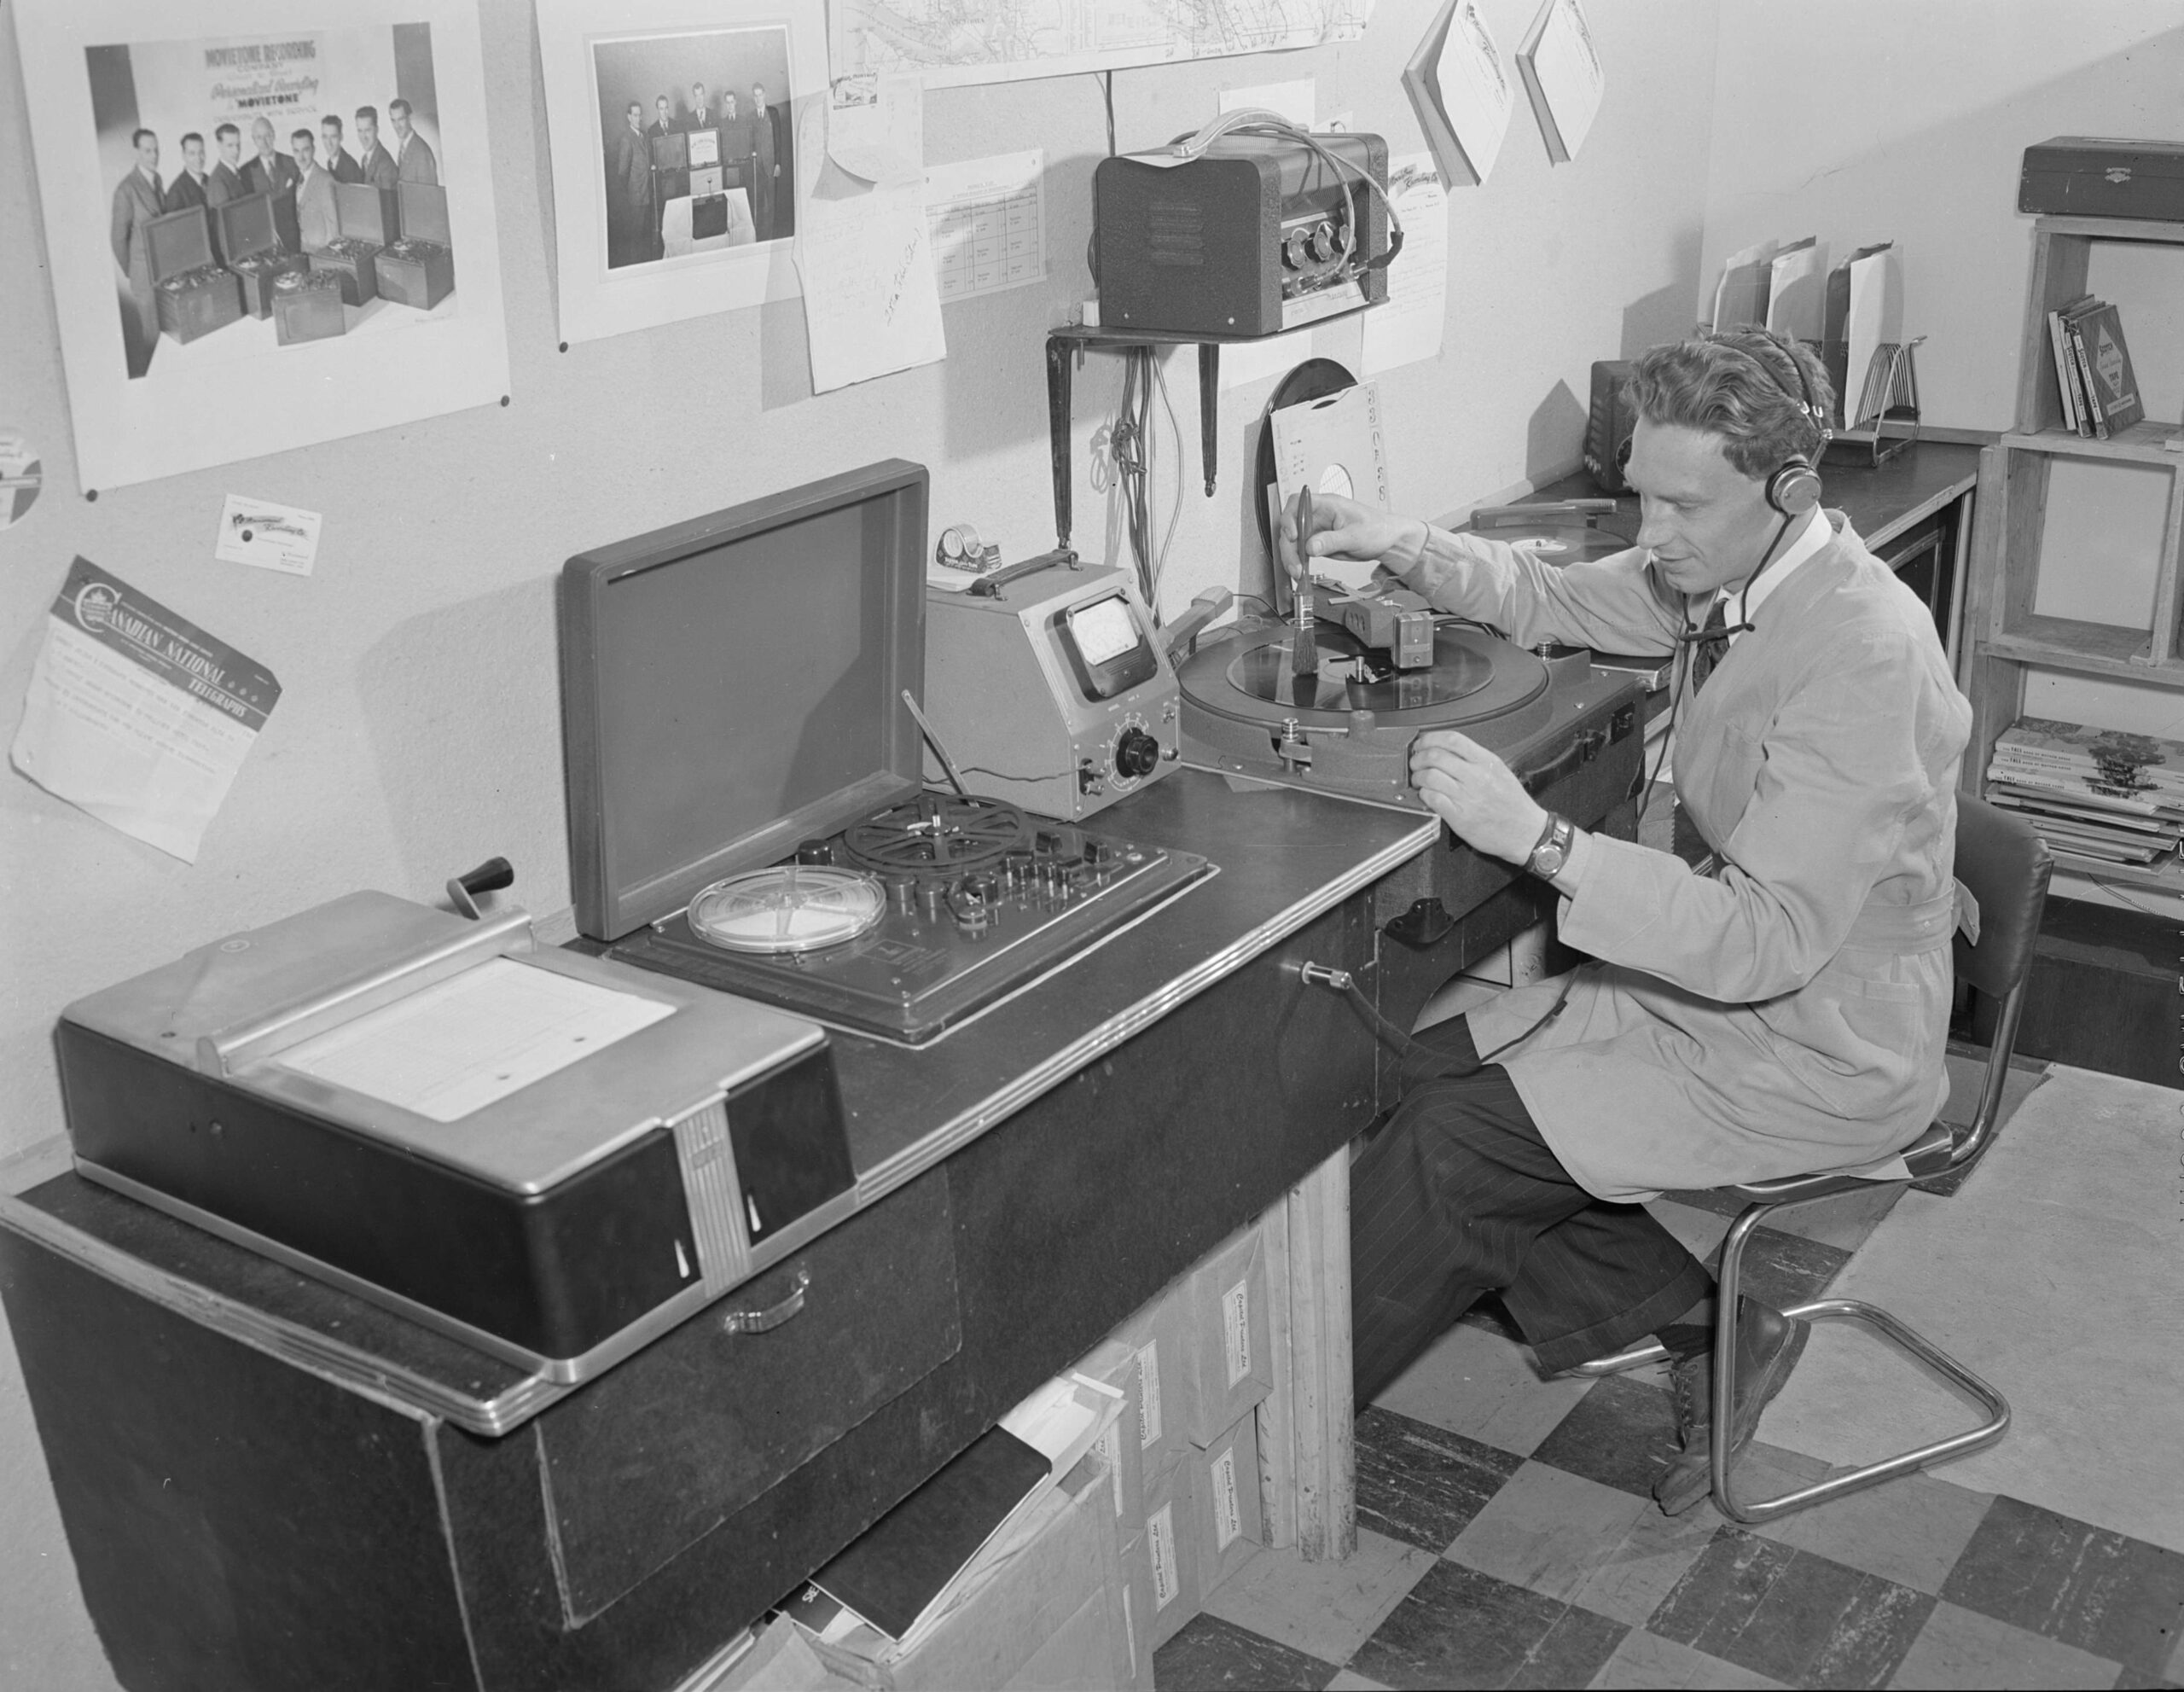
1305,650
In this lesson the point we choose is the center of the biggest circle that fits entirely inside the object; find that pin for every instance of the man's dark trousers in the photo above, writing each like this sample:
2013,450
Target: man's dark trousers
1458,1195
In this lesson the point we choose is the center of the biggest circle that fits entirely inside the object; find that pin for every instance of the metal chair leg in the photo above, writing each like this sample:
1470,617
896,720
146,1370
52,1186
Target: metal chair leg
1823,1310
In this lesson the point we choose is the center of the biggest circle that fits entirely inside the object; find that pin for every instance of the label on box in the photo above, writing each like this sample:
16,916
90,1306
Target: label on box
1111,1453
1148,1394
1160,1541
1236,1323
1227,1519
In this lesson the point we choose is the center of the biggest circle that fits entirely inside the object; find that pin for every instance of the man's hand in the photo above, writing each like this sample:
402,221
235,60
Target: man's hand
1476,794
1343,528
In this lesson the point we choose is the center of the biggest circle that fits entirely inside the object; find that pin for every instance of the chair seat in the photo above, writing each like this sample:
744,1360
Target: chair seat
1928,1155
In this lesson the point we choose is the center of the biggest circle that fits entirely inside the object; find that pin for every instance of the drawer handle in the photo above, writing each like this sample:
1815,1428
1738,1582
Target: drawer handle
761,1321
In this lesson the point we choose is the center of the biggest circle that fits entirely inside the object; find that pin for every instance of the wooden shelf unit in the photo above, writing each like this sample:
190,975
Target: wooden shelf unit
2005,635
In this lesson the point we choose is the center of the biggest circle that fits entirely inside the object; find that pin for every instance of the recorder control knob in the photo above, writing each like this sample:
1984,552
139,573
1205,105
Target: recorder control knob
1325,245
1137,754
1296,250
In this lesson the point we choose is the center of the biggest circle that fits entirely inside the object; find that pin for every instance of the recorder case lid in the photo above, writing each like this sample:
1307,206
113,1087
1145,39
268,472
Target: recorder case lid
733,686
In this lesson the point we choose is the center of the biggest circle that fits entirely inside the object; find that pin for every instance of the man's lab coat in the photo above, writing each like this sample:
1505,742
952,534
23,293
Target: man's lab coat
1790,1012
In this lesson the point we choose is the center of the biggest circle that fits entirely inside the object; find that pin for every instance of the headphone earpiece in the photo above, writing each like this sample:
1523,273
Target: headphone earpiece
1794,489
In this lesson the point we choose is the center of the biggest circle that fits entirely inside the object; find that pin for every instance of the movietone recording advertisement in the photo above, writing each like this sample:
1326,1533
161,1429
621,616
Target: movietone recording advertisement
198,191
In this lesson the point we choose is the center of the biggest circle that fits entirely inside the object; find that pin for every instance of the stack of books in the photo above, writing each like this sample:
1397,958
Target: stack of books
2095,792
2099,388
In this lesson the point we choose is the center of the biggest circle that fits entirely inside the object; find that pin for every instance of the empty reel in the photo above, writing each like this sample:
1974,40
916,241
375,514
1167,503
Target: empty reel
790,908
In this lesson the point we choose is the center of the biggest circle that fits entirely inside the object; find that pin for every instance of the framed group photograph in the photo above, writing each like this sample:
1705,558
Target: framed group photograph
674,148
270,233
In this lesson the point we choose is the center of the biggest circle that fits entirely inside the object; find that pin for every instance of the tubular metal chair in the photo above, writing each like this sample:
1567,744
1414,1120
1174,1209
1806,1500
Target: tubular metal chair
2006,866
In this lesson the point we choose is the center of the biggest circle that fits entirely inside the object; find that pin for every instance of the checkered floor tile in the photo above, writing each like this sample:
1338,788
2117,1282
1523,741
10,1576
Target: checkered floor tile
1508,1538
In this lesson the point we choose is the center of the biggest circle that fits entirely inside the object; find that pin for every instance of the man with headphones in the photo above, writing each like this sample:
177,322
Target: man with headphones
1783,1012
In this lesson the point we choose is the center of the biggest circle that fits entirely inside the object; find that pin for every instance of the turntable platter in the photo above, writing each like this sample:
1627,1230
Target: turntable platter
1474,678
1350,678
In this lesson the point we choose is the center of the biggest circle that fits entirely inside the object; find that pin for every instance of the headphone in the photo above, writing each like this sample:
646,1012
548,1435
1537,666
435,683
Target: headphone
1794,488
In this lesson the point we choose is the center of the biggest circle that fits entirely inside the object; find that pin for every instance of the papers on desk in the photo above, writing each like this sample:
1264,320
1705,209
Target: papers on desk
1462,91
137,716
1563,73
864,248
1740,295
1797,293
473,1040
1410,324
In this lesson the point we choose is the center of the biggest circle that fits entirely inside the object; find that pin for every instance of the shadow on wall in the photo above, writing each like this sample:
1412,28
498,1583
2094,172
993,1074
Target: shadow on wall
1555,434
469,754
1665,313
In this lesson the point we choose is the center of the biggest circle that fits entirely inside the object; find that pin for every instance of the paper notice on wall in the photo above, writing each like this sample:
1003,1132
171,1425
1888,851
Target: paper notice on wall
271,537
875,128
137,716
1408,325
987,219
864,254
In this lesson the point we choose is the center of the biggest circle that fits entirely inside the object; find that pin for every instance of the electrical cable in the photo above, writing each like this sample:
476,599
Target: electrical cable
1176,511
1108,94
1258,121
1405,1045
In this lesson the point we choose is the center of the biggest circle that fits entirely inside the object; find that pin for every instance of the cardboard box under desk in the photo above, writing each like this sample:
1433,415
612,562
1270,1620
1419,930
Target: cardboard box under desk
1139,1609
307,306
192,295
418,269
368,219
1156,1336
253,245
1170,1515
1227,1522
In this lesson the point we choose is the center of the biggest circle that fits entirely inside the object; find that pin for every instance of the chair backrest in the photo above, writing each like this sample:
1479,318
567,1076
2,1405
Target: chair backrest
2001,859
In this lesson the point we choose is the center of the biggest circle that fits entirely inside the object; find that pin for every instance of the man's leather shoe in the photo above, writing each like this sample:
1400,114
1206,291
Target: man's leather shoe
1767,1346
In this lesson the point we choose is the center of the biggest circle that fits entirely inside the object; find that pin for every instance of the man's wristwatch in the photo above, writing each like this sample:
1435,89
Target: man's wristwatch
1553,851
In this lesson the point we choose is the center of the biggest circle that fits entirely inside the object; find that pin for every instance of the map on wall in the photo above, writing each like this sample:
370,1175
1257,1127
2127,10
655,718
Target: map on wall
947,42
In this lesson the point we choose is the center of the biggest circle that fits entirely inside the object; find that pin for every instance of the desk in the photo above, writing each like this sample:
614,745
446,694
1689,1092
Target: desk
267,1482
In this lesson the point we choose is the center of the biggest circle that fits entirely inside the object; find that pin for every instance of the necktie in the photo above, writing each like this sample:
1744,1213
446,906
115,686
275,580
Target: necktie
1712,643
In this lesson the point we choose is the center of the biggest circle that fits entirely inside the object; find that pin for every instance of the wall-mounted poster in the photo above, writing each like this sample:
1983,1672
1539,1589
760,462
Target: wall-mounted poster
255,230
674,153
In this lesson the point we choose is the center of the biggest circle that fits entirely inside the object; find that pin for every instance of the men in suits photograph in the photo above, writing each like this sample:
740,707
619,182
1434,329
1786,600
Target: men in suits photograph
629,192
317,218
783,220
338,163
188,189
735,144
413,156
662,121
271,172
375,163
764,167
138,198
224,181
701,111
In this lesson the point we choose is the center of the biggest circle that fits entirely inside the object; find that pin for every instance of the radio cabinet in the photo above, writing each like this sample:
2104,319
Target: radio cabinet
366,229
252,244
193,295
309,310
419,269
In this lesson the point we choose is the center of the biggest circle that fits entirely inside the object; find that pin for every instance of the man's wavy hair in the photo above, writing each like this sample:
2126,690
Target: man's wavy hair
1742,387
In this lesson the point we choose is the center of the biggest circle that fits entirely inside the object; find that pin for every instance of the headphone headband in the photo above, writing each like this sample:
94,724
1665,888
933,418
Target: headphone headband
1795,485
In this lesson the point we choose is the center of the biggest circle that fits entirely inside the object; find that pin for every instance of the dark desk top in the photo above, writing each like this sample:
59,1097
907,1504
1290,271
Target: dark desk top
1285,856
1880,504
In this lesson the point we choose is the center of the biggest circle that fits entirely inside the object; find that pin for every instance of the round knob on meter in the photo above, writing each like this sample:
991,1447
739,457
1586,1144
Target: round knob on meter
1137,754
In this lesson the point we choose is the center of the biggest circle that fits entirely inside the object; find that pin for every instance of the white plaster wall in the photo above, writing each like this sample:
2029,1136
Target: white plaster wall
418,731
1866,120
